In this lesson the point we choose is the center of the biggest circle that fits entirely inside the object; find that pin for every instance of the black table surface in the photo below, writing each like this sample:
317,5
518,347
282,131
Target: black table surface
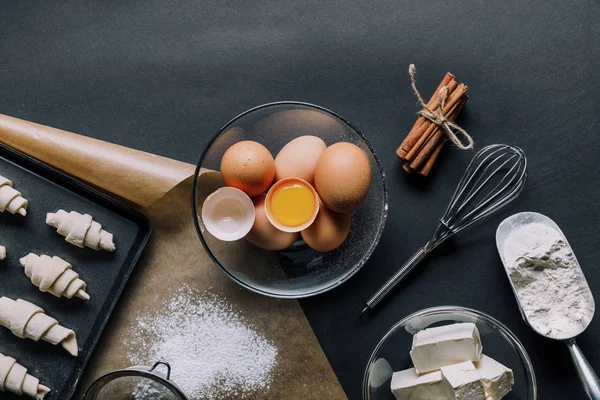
164,76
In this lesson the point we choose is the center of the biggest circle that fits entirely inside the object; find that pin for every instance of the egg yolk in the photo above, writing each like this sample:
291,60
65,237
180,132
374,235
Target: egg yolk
293,204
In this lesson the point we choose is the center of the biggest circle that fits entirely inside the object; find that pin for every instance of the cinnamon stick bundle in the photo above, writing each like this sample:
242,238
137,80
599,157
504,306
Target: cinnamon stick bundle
423,144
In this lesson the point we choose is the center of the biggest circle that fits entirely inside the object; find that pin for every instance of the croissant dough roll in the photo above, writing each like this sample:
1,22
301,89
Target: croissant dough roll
11,200
54,275
26,320
2,253
15,379
81,230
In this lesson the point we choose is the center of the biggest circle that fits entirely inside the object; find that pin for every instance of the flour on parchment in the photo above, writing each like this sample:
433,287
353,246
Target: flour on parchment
213,352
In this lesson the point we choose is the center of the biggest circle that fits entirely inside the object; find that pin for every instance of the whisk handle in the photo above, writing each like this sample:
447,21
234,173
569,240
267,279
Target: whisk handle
406,269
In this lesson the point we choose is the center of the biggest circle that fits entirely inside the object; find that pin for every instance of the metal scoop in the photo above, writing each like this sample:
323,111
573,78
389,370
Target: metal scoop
588,377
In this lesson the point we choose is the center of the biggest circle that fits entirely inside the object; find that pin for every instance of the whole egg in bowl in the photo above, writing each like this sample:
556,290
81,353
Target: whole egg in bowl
298,158
248,166
343,177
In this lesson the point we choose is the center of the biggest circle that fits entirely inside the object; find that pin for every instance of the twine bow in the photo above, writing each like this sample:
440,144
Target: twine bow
450,128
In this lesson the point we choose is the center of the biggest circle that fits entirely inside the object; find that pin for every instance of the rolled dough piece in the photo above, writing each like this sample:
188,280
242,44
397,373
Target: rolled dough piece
2,253
26,320
15,379
80,230
54,275
10,199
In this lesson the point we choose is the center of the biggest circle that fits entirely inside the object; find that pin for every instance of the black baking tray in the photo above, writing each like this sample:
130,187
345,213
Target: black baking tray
105,273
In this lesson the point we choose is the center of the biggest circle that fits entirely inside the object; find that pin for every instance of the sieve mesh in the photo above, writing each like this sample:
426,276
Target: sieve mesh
135,383
135,388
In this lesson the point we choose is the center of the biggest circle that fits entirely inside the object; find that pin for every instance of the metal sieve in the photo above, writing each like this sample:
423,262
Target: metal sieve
136,383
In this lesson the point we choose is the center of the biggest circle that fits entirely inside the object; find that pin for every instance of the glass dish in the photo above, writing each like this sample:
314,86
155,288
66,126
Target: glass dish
392,352
297,271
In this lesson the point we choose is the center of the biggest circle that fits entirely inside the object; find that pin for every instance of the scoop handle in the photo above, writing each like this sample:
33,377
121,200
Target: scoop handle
589,379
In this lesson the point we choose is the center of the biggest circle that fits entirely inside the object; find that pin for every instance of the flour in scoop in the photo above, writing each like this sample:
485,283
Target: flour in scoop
213,352
551,288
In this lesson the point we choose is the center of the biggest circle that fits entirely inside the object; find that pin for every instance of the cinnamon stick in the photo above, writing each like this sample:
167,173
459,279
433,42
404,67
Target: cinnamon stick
453,98
407,168
423,144
413,138
438,136
434,105
422,140
429,164
416,131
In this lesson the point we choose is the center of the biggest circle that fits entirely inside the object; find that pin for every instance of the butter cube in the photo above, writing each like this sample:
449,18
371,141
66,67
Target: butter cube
465,381
408,385
437,347
496,378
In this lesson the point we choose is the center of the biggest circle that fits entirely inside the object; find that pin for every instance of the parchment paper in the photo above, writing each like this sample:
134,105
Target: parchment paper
174,256
137,176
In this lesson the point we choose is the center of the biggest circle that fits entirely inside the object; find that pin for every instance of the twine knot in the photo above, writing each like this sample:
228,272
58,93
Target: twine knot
451,129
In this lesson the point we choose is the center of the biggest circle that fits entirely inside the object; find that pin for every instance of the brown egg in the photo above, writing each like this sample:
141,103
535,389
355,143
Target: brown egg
343,177
298,158
265,235
329,230
248,166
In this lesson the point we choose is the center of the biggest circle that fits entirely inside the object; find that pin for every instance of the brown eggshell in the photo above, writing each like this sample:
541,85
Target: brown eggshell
248,166
298,158
343,177
263,234
329,230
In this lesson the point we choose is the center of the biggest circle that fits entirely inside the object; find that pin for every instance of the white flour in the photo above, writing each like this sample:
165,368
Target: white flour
150,390
212,351
551,289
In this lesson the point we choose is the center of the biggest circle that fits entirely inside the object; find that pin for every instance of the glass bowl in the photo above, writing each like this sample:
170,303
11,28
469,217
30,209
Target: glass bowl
297,271
392,352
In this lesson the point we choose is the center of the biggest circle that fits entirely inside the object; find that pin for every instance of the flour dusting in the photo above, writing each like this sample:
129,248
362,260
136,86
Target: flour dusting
213,352
150,390
550,286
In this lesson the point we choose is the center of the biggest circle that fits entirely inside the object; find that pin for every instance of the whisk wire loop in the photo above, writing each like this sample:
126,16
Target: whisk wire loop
494,177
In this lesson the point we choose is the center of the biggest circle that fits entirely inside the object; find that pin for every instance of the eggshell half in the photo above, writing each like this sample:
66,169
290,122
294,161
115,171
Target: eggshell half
228,214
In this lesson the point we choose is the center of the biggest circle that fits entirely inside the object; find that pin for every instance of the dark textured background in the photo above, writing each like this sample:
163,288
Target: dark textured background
164,75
